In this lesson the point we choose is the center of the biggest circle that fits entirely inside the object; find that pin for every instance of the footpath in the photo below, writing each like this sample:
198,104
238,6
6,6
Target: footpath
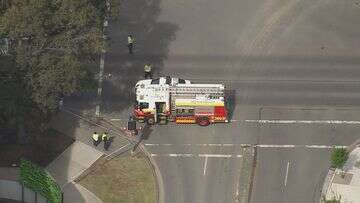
79,156
345,188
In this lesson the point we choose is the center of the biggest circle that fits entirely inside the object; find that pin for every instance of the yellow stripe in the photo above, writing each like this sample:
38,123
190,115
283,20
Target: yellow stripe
199,103
185,120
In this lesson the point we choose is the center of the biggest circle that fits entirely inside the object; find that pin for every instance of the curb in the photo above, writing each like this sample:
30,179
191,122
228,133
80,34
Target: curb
160,196
252,177
327,183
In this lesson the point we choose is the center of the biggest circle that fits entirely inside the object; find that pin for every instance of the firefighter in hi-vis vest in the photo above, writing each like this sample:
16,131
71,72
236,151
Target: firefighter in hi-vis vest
148,71
95,138
105,139
130,43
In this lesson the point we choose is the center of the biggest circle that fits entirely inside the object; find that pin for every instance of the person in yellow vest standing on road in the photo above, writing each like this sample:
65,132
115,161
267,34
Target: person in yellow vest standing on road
105,140
148,71
130,43
95,138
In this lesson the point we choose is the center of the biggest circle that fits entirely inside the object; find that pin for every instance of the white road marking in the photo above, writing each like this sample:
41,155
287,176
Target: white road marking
216,155
275,146
325,146
181,155
119,119
215,145
198,155
205,165
287,173
252,145
304,122
149,144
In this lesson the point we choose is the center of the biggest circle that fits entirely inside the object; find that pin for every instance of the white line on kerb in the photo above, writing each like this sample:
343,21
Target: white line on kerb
205,164
287,173
304,122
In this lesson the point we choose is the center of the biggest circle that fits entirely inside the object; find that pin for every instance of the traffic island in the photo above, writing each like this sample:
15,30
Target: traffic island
126,178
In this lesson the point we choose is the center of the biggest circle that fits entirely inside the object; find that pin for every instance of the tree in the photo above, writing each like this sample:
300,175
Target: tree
339,157
51,42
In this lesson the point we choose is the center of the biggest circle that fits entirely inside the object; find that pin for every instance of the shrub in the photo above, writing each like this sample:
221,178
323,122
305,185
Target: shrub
338,158
38,180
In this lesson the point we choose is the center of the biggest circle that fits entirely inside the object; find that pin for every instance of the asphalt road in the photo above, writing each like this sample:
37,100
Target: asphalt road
280,59
287,172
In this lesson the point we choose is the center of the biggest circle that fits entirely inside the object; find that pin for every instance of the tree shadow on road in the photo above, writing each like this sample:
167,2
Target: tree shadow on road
152,38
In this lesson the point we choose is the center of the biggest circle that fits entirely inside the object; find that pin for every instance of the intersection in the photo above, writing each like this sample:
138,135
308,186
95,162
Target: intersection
291,68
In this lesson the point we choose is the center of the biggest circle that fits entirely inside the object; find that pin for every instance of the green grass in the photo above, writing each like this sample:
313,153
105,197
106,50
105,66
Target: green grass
123,179
338,158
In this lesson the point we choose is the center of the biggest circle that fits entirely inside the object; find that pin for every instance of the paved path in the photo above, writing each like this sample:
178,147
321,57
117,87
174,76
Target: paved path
77,157
76,193
347,188
72,162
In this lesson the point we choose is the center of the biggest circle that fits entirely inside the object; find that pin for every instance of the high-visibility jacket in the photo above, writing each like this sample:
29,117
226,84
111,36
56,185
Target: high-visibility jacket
130,40
95,136
147,68
104,136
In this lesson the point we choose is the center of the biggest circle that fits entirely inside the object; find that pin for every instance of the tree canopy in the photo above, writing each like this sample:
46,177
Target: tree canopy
51,41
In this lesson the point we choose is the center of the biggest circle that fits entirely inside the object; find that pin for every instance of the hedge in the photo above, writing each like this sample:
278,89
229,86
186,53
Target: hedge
38,180
339,157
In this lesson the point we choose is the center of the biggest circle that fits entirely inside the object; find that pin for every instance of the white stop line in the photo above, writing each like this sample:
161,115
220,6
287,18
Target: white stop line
304,122
199,155
245,145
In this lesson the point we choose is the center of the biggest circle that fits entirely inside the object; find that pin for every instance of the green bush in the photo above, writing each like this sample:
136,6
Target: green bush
338,158
38,180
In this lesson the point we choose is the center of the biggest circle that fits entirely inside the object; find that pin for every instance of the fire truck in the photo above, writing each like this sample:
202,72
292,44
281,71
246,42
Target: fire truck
177,100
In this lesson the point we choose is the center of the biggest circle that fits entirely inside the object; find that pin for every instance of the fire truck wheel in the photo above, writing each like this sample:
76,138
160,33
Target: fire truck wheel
150,121
203,121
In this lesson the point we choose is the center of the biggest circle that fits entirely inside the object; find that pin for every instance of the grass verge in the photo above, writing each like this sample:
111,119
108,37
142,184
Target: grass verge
123,179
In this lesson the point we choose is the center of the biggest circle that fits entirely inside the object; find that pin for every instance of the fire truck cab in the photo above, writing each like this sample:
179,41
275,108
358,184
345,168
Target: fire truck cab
172,99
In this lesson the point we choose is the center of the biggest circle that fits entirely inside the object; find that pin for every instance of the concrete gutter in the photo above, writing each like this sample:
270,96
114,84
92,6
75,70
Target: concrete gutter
327,183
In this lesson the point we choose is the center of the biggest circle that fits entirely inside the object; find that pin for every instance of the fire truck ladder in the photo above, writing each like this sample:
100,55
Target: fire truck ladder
192,90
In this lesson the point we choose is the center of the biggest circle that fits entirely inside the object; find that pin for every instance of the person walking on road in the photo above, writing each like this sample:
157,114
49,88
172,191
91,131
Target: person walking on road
130,43
105,140
148,71
95,138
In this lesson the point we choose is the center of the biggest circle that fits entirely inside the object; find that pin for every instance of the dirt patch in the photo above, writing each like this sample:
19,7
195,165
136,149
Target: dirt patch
46,149
123,179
